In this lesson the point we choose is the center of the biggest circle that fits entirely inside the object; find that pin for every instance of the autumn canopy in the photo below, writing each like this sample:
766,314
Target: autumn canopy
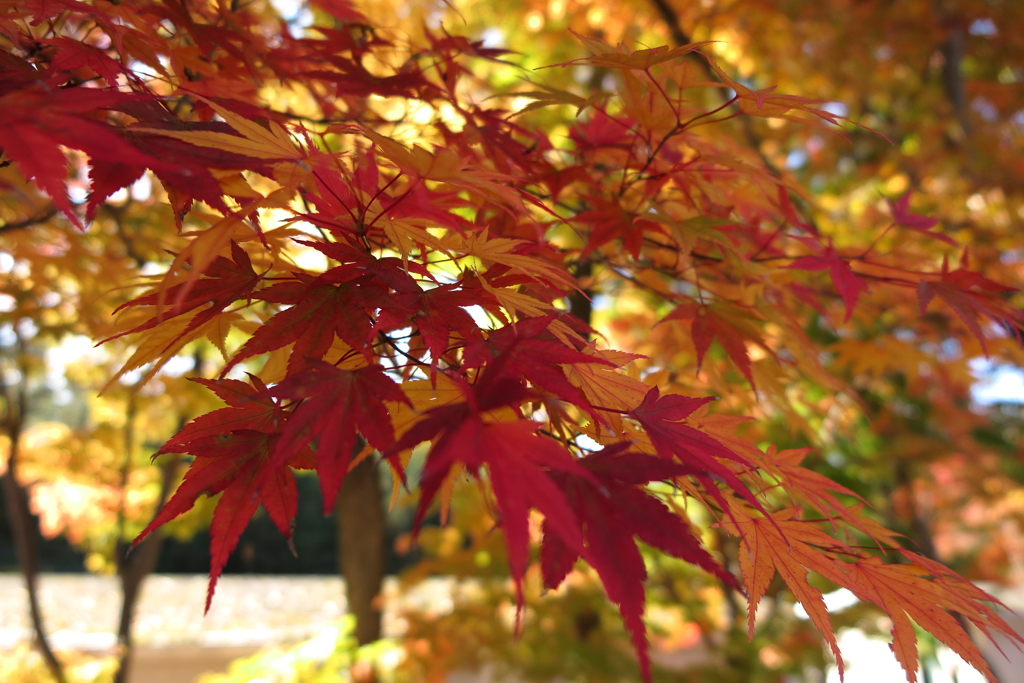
596,299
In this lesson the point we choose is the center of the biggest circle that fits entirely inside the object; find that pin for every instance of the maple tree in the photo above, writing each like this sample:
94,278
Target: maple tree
384,257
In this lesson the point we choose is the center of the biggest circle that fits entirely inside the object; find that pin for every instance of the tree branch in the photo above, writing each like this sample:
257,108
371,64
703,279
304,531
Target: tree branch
681,37
952,50
28,222
671,19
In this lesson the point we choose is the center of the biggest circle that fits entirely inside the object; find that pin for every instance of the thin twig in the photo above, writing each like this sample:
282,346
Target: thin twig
28,222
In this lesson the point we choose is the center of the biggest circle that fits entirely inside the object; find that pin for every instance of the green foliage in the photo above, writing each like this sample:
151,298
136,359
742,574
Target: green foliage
333,656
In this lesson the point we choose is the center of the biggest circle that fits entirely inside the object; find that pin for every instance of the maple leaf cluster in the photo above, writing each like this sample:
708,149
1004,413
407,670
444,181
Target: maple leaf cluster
438,313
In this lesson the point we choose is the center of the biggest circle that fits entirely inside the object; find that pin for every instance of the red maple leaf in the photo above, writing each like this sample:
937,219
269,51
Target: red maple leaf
339,302
610,221
353,79
72,54
706,326
249,407
901,216
614,508
224,282
971,294
661,417
518,462
47,9
446,43
602,132
183,168
846,281
435,313
527,350
789,212
334,405
36,120
236,464
392,272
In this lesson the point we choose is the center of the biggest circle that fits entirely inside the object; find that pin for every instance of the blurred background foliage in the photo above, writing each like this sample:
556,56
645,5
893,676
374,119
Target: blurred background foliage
938,82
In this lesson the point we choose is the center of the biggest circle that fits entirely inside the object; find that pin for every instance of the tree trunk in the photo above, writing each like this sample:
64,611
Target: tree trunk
361,538
27,550
953,50
133,568
921,533
581,303
23,527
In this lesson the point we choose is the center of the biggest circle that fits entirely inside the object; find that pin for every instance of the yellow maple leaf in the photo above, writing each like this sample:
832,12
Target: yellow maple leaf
160,344
788,546
253,140
607,387
499,250
218,328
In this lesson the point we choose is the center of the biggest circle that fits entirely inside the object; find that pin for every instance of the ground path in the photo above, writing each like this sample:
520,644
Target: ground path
176,642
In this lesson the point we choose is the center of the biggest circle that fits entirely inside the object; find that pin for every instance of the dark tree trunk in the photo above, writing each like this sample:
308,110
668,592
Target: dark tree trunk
23,527
921,534
362,535
133,568
953,50
581,304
